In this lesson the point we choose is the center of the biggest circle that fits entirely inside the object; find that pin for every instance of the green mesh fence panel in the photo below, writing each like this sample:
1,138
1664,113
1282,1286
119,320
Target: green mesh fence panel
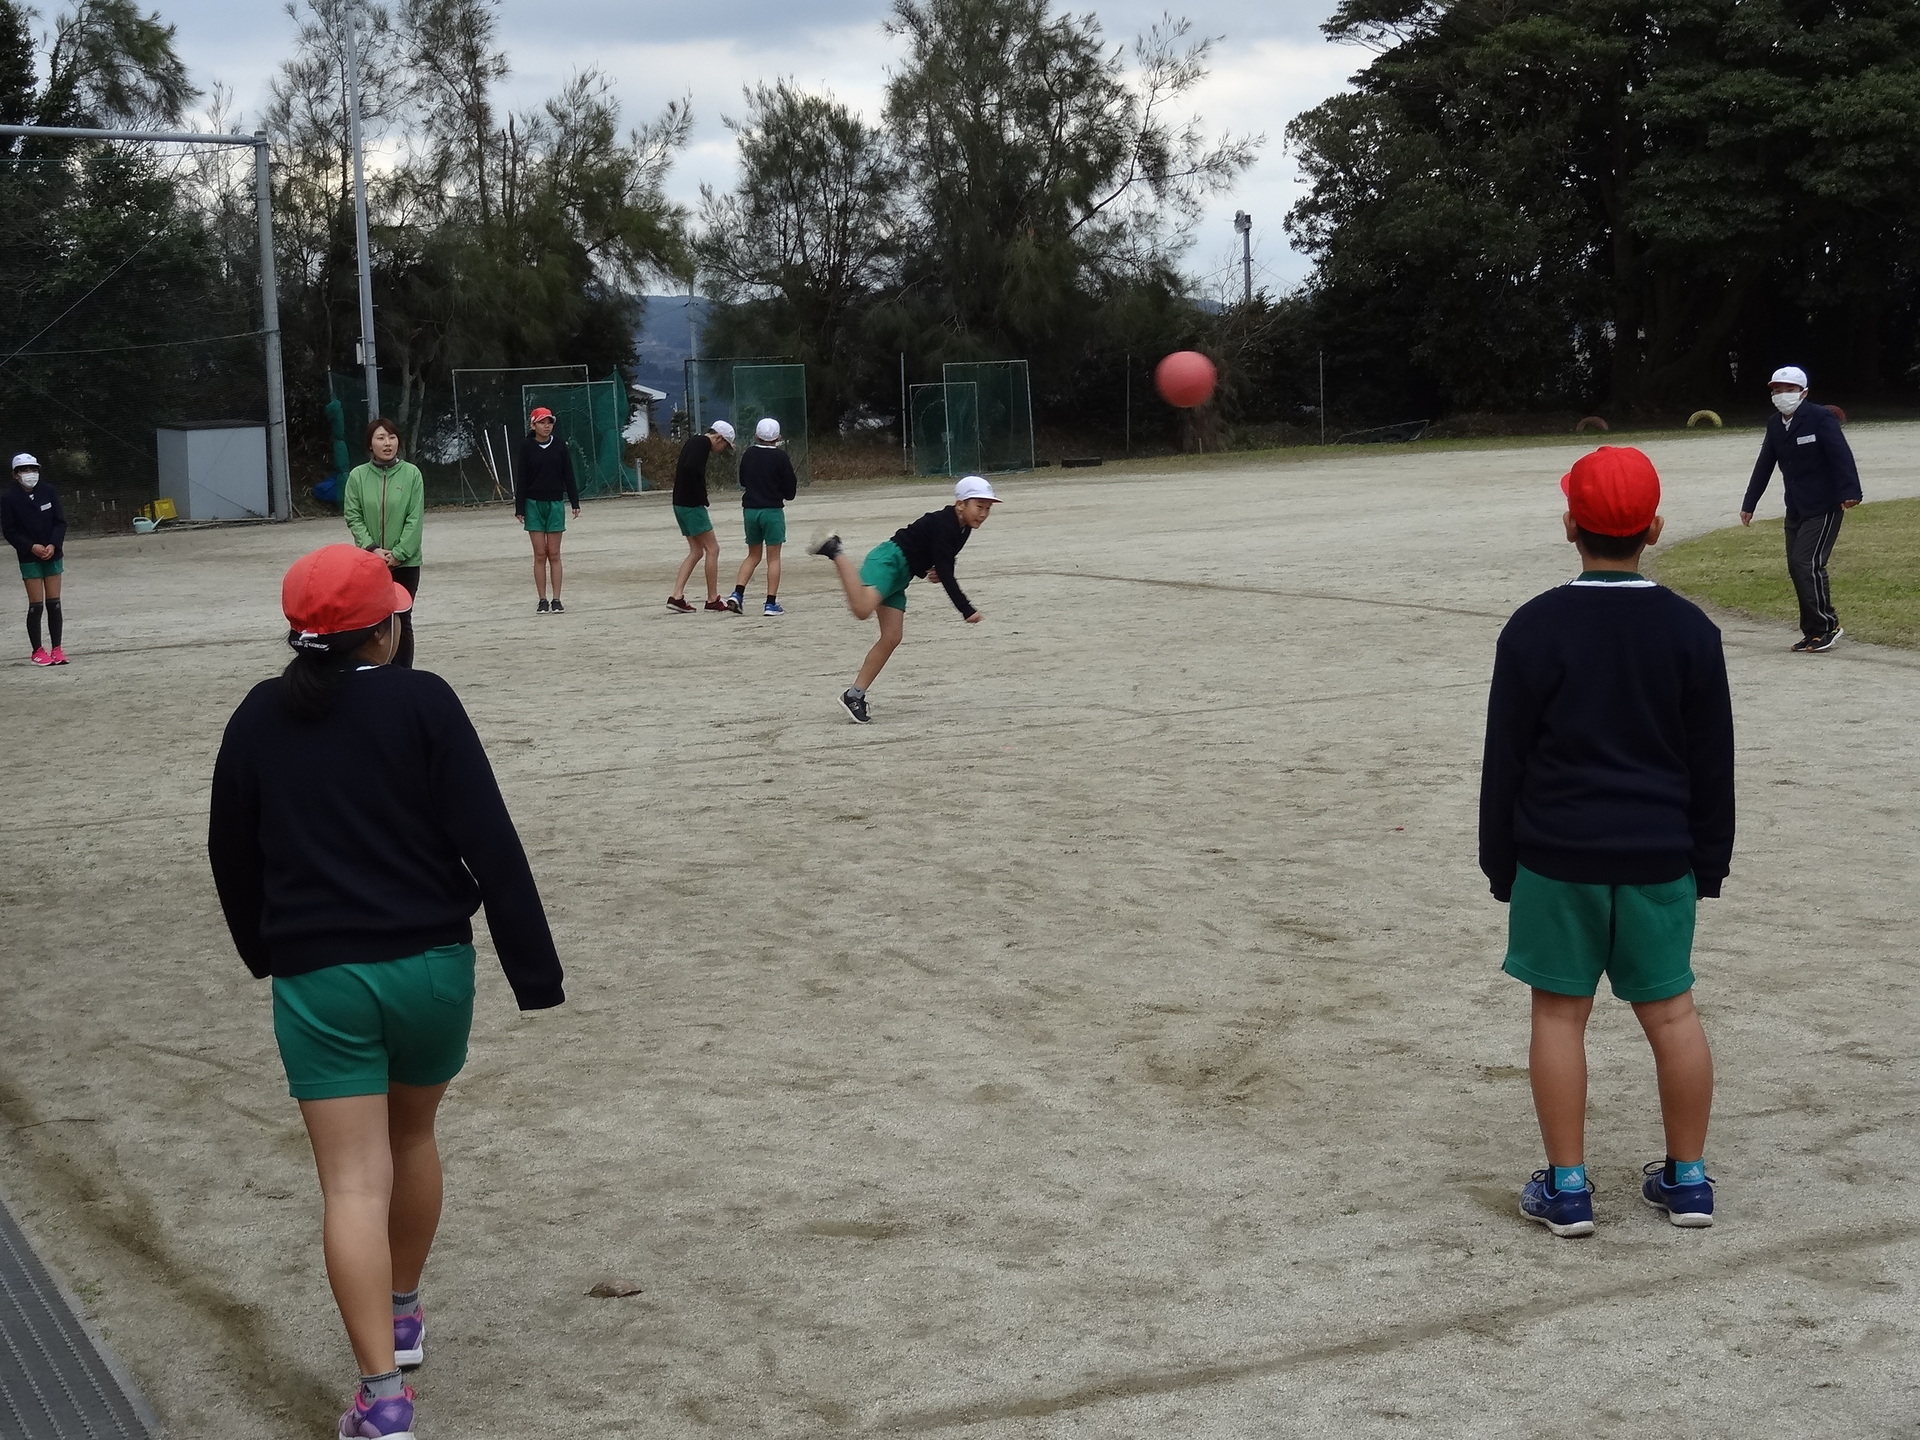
710,397
589,416
946,429
1004,411
490,419
779,391
429,432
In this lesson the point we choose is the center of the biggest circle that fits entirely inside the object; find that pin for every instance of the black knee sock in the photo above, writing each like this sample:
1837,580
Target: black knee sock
34,607
53,622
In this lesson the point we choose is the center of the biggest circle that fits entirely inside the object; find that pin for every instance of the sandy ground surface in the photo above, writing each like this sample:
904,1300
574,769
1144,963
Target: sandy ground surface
1106,1042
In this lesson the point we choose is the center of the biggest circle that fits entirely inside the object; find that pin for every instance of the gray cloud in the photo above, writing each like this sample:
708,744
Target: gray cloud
1271,63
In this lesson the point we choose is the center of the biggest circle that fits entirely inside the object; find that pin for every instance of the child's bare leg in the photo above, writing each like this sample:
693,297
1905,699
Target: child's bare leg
748,566
892,625
1557,1066
694,551
773,569
862,599
710,542
1684,1063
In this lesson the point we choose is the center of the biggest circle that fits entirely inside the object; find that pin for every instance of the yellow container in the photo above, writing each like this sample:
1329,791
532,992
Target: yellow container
160,510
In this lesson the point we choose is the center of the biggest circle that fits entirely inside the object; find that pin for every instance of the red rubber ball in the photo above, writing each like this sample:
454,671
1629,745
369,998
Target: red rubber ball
1185,379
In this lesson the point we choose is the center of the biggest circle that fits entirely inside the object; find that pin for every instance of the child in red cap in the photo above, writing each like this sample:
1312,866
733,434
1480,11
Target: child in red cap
1606,810
355,827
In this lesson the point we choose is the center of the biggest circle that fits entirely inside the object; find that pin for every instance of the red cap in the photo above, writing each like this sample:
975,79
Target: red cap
1613,491
340,588
540,412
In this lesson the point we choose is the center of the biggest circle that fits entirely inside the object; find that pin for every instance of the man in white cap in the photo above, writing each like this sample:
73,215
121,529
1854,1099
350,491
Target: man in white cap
35,526
926,549
1821,482
690,513
767,482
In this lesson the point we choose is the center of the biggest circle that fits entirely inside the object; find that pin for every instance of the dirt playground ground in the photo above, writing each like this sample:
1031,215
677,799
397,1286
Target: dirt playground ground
1108,1041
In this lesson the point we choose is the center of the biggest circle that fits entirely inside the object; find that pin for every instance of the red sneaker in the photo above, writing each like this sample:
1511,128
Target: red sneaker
678,606
59,656
719,605
41,657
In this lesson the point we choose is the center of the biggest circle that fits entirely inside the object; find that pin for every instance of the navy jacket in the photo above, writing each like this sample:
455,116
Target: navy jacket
934,542
767,478
545,473
32,517
1814,458
1609,741
370,834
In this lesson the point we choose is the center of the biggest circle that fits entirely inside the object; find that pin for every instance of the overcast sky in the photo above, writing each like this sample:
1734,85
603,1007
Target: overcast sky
1271,64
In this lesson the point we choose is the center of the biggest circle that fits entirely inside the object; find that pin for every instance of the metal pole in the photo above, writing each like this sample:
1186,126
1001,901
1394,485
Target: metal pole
1323,397
279,475
1243,222
367,356
906,421
1129,365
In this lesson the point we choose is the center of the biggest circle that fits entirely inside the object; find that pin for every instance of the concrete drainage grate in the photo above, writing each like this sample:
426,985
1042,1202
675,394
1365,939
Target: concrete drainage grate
54,1382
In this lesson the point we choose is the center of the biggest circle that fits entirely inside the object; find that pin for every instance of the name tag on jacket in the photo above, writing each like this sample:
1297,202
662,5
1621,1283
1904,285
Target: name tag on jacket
47,506
1806,439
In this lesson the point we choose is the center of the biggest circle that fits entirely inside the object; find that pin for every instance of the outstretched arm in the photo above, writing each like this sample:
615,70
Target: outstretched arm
1762,473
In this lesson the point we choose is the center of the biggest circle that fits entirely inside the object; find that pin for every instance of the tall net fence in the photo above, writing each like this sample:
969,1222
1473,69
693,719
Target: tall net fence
1003,411
780,392
589,415
946,428
714,393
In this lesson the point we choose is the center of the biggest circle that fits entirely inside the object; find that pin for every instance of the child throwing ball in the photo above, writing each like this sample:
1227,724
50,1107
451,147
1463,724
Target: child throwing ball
1606,811
926,549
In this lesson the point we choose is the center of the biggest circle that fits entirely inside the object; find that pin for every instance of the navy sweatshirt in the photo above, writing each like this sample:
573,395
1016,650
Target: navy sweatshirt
767,478
690,473
32,517
933,542
543,472
1815,462
370,834
1609,741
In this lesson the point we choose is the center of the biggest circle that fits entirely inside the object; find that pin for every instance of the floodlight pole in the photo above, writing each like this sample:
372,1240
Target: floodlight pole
1243,222
367,355
279,474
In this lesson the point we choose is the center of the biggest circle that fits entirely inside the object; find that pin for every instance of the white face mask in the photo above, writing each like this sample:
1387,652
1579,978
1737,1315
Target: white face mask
29,478
1788,401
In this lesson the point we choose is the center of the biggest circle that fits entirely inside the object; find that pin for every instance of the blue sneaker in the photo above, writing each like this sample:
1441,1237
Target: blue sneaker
1688,1206
410,1339
1567,1213
773,607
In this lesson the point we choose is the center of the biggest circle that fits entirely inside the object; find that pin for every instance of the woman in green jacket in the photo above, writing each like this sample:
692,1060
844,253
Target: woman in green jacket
384,504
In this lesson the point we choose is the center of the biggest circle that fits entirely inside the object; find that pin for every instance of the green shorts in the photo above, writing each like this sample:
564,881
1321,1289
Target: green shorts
694,520
546,515
41,569
766,527
350,1029
885,569
1563,936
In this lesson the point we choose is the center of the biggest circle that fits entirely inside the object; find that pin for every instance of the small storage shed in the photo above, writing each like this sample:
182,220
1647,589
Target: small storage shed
214,469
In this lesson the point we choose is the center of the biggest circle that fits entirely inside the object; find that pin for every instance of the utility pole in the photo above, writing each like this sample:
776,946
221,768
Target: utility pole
1323,397
367,357
1243,223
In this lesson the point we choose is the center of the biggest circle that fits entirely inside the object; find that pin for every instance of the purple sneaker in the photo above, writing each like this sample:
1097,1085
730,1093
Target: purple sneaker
410,1340
379,1419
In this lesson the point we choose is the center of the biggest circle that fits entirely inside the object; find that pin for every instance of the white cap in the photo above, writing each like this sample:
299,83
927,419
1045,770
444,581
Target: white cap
722,429
973,487
24,461
767,431
1789,375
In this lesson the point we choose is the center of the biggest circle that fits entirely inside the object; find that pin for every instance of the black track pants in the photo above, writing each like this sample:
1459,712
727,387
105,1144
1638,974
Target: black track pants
1809,546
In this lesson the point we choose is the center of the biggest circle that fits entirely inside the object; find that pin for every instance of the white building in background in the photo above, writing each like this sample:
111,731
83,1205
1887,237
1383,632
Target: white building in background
644,398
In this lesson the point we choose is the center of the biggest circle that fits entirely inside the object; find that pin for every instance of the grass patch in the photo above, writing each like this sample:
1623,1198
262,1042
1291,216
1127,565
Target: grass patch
1876,583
